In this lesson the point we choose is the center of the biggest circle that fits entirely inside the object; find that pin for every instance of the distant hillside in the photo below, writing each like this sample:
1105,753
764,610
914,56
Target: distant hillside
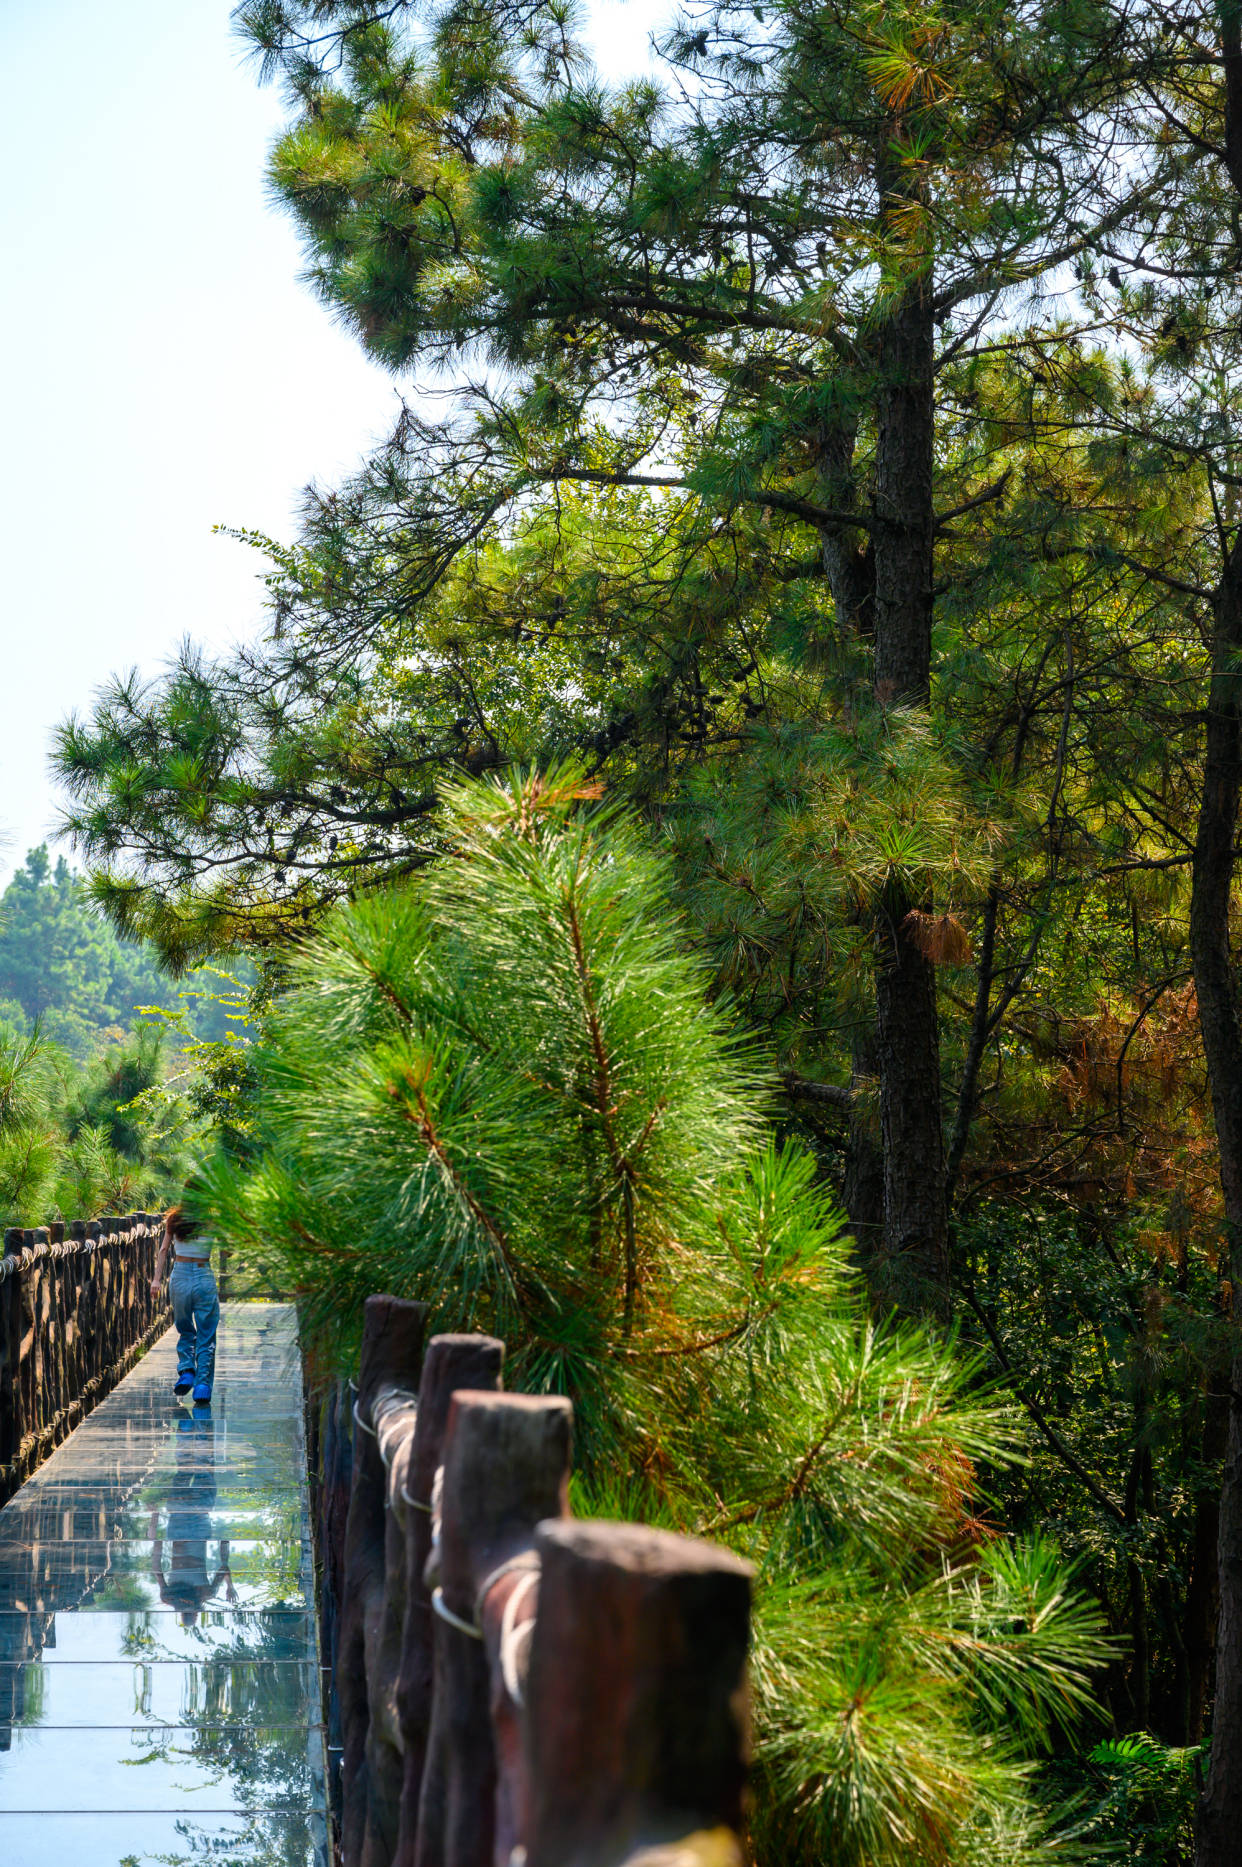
61,963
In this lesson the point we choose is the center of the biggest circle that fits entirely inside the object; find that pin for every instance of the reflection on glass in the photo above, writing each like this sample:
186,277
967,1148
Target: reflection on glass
187,1583
149,1840
158,1688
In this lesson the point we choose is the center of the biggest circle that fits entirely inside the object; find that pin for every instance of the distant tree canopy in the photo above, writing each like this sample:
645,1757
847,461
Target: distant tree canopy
81,1139
99,1105
62,964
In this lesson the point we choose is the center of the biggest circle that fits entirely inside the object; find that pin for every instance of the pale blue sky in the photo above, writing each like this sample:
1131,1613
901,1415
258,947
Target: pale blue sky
164,369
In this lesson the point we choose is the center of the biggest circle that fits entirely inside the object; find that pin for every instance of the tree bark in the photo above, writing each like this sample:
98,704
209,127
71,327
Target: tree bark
1220,1810
907,1028
1202,1583
895,1191
863,1192
849,563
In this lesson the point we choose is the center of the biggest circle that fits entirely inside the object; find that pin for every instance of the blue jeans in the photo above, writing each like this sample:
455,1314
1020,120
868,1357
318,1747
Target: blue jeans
196,1312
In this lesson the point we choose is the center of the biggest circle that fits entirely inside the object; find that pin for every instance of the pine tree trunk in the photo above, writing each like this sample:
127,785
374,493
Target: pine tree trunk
1219,1838
863,1192
907,1029
1202,1582
850,566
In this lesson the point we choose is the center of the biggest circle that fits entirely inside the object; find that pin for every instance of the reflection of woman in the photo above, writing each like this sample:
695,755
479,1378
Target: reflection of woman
188,1584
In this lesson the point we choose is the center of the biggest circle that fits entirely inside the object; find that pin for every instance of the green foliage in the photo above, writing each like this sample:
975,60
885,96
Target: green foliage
98,1108
477,997
214,1085
74,1143
499,1088
62,966
96,1115
315,771
108,1090
1147,1800
869,1762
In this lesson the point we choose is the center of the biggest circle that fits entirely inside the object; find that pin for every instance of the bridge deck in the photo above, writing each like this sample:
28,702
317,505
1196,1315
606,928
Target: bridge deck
159,1699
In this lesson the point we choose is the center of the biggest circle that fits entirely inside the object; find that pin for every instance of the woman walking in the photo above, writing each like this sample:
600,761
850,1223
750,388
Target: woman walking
195,1301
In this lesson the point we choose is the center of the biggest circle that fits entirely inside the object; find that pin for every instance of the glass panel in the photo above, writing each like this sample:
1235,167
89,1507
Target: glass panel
131,1692
258,1840
159,1685
160,1767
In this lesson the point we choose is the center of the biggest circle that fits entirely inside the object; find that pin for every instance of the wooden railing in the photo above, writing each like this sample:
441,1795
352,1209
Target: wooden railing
510,1687
76,1310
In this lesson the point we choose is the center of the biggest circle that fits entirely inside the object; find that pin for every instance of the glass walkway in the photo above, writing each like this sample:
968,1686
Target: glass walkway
159,1697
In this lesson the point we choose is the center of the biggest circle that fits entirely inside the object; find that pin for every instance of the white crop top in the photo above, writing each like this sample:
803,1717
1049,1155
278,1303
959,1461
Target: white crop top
197,1247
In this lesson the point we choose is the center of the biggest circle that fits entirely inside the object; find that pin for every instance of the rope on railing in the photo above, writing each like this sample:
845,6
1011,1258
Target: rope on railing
53,1250
514,1633
463,1626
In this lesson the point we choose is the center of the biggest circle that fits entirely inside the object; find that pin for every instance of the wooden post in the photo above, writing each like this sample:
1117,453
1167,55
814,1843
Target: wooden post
453,1361
10,1365
506,1468
637,1727
393,1414
392,1343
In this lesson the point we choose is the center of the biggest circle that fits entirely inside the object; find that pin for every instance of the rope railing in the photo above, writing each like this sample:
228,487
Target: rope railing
76,1310
510,1687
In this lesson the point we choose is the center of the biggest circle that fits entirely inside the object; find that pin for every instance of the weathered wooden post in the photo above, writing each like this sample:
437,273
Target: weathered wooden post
34,1284
105,1281
393,1415
10,1358
452,1362
636,1721
392,1345
88,1305
506,1469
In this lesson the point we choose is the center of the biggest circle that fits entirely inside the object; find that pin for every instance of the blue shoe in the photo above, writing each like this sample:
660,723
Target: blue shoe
183,1385
202,1394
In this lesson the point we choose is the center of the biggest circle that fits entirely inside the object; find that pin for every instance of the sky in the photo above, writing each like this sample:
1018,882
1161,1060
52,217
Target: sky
165,371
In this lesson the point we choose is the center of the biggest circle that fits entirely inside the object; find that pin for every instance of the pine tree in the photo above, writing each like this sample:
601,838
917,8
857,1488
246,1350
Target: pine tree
499,1088
61,962
227,804
75,1141
782,230
1179,296
659,546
